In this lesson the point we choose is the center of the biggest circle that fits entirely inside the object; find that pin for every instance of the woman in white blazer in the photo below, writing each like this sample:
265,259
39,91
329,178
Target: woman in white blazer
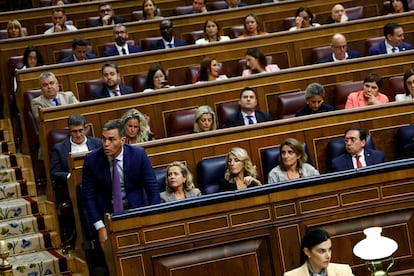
316,248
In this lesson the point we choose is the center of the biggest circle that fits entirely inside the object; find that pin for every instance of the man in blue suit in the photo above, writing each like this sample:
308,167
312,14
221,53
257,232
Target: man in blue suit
356,156
168,40
80,51
134,177
112,83
393,43
60,173
106,16
121,46
248,114
340,50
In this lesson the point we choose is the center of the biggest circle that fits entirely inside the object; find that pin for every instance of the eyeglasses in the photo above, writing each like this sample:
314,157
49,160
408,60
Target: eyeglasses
74,131
120,32
340,47
105,10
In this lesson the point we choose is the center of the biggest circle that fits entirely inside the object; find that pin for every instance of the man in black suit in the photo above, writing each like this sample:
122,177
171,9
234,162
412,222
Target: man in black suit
80,51
356,156
112,83
107,16
59,170
121,46
340,50
168,40
248,114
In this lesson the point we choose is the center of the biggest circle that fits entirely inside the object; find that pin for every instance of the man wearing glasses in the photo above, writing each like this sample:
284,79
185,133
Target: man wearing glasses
121,46
107,16
77,141
340,50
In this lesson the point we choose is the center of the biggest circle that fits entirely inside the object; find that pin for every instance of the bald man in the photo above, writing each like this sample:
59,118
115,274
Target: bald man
340,50
338,14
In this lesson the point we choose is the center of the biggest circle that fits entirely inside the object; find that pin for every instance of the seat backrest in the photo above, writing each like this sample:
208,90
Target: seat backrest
235,31
342,90
89,87
336,147
191,37
160,175
146,42
14,62
90,21
395,86
192,73
386,7
288,22
217,5
181,10
139,82
180,122
45,3
320,53
32,128
209,172
356,12
371,42
270,159
225,110
288,103
405,142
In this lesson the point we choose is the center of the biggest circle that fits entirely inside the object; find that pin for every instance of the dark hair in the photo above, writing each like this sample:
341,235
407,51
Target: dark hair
101,4
110,64
218,29
257,54
372,77
30,49
307,10
247,88
150,76
313,236
297,147
255,18
389,28
115,124
76,120
205,68
362,132
407,74
59,9
405,6
79,41
144,14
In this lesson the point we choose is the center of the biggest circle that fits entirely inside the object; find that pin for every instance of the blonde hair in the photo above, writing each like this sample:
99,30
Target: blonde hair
15,23
144,129
201,110
188,184
248,169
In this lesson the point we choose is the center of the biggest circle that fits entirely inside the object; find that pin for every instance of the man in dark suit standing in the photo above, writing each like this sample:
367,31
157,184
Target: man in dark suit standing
80,51
121,46
356,156
340,50
106,16
248,114
116,177
393,43
112,83
59,171
168,40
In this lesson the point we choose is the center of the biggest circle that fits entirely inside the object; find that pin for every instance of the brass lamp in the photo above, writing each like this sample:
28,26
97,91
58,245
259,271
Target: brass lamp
5,267
375,250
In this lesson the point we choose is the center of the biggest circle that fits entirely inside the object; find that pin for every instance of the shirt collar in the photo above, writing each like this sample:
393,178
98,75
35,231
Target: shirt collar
74,144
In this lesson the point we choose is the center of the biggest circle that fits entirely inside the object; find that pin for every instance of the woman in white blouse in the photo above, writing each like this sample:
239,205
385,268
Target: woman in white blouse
211,33
408,86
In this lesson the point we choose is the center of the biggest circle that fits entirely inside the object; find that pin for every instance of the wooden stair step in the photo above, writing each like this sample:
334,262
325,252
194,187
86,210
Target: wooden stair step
25,225
32,242
17,189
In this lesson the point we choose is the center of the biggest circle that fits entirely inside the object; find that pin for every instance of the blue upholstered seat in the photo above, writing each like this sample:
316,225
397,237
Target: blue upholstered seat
209,172
405,142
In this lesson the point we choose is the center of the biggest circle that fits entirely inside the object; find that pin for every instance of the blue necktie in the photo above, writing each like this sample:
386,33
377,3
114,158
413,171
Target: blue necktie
116,188
56,101
170,45
250,119
123,51
393,49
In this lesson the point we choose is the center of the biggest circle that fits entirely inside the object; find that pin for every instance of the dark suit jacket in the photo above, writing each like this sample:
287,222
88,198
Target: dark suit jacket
159,44
380,48
237,119
344,161
351,54
139,179
114,51
59,169
104,93
71,58
116,19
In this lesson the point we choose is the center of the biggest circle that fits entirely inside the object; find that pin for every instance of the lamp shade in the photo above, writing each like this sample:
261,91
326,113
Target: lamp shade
374,246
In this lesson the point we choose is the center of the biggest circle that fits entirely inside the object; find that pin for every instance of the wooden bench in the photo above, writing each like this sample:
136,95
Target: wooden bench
258,231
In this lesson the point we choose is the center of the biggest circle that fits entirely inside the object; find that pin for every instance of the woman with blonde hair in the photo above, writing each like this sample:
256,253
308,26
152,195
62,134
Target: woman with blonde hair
205,119
240,172
136,127
14,29
179,183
